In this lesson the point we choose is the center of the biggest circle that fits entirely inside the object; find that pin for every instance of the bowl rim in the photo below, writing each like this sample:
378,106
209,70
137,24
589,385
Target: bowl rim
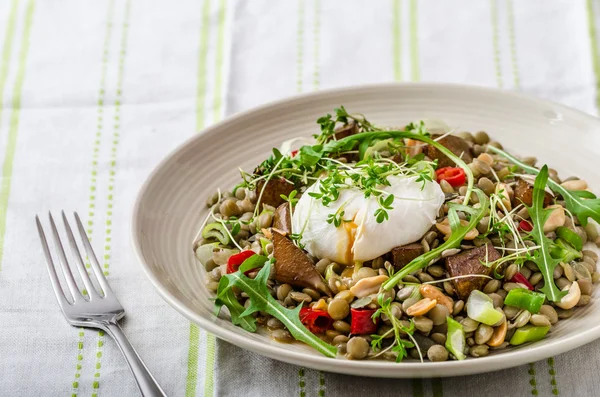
529,353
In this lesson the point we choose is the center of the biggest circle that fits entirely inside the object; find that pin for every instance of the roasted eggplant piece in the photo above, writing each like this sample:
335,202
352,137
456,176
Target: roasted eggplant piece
471,262
403,255
273,191
456,145
294,267
524,194
282,219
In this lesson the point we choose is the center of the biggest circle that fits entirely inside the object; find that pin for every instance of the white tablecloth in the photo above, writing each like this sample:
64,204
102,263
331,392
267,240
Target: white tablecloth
94,93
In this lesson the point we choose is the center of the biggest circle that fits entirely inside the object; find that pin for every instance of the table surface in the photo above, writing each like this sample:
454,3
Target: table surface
94,93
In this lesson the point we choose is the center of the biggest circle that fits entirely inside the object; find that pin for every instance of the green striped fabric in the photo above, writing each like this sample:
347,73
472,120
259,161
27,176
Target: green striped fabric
94,94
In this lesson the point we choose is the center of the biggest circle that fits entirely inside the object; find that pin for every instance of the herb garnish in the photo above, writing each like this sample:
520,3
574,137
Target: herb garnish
582,204
399,345
261,300
458,233
542,258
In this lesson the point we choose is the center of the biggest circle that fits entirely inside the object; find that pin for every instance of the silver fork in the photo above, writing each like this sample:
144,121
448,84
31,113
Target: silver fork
100,309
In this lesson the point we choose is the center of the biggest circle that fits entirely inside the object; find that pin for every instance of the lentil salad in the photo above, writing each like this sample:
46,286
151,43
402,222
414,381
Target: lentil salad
305,244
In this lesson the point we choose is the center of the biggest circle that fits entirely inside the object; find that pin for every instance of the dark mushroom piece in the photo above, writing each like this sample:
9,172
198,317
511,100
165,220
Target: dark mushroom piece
524,194
403,255
273,189
346,130
294,267
456,145
471,262
282,219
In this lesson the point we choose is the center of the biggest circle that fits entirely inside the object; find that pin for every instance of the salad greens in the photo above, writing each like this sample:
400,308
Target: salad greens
399,345
542,258
458,233
582,204
261,300
367,138
525,299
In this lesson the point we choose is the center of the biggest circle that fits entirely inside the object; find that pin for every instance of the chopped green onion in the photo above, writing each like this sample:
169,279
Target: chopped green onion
263,243
525,299
204,252
528,333
455,339
564,251
571,237
216,231
480,307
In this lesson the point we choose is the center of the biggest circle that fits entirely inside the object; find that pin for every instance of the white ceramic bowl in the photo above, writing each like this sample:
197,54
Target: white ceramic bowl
171,204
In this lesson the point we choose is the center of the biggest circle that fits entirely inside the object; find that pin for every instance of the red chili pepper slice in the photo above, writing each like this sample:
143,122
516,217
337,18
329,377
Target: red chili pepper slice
317,321
455,176
293,153
362,323
525,226
520,278
234,261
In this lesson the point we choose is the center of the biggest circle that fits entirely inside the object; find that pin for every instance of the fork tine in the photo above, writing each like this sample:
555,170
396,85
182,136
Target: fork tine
64,263
58,291
79,261
92,256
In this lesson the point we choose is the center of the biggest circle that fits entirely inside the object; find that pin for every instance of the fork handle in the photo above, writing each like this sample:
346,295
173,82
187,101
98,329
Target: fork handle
144,379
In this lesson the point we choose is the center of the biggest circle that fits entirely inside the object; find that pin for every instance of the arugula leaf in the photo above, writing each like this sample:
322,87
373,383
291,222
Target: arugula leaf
458,233
310,155
226,297
542,258
582,204
261,300
253,262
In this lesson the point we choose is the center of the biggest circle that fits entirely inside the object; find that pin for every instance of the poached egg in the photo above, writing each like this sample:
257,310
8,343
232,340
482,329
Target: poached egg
360,237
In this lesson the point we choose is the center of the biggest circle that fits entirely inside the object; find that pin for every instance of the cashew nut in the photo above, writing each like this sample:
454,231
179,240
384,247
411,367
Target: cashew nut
577,184
570,300
499,334
429,291
368,286
446,230
421,307
556,219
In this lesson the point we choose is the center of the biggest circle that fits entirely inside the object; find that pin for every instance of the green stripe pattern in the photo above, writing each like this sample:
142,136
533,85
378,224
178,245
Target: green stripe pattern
496,41
217,106
396,40
301,382
112,169
75,383
192,366
594,49
532,381
6,53
194,339
13,129
321,384
317,44
300,46
100,125
94,177
414,44
552,372
513,43
218,103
